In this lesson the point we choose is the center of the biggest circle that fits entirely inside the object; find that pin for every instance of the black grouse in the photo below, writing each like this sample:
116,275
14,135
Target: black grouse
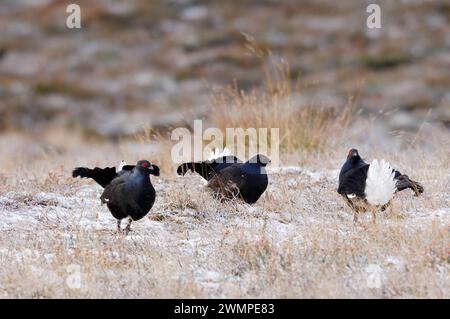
368,186
127,193
228,177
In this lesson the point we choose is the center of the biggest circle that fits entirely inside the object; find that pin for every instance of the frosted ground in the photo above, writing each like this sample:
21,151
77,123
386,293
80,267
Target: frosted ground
299,240
85,98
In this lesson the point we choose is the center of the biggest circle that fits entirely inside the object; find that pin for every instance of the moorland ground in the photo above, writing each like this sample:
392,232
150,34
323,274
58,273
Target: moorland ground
115,89
298,240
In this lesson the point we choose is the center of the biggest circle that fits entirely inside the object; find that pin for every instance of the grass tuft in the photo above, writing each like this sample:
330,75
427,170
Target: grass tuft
304,126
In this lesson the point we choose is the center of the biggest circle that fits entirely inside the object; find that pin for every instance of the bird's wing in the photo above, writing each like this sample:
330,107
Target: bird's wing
354,181
228,181
115,187
208,169
223,162
404,182
204,169
102,176
128,167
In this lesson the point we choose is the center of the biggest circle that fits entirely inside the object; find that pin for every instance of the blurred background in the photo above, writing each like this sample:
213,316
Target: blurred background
116,88
138,64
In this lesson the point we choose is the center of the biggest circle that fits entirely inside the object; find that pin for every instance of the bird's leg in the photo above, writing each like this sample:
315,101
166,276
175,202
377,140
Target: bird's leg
128,227
374,215
394,212
353,207
391,209
119,221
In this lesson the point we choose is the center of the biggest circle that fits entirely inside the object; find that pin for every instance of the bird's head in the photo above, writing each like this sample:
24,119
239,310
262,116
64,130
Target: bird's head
260,159
353,155
148,168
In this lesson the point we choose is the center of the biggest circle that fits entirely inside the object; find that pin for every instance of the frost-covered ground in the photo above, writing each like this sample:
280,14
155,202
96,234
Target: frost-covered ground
299,240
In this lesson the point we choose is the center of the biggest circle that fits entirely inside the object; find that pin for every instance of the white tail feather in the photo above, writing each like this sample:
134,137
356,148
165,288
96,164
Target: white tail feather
380,184
217,153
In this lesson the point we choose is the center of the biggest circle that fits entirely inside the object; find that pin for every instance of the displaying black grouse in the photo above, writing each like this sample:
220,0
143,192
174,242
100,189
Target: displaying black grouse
228,177
365,186
127,193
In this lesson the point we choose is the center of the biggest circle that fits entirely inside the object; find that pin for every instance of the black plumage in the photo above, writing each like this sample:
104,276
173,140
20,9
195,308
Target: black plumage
127,193
352,181
228,177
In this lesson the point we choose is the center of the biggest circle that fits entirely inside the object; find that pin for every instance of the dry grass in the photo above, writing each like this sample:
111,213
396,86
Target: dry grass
303,125
299,240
